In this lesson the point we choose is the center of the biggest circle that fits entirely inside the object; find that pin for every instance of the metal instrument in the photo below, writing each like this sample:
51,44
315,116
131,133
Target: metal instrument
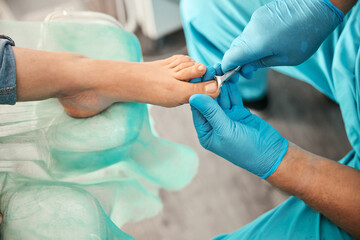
222,79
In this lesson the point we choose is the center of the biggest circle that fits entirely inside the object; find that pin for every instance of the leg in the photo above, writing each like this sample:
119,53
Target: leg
211,26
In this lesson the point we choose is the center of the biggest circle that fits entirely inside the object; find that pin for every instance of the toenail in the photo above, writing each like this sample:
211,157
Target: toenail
201,67
211,87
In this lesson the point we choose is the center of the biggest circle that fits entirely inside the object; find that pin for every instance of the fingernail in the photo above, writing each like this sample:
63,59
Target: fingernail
211,87
201,67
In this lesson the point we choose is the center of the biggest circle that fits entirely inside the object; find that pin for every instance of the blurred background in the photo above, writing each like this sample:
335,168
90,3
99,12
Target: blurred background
222,197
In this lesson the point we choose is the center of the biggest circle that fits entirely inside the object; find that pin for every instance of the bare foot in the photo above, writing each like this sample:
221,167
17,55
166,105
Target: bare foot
163,82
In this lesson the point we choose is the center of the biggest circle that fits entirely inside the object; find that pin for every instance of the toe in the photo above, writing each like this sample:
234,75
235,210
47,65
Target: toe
183,65
195,71
208,88
176,60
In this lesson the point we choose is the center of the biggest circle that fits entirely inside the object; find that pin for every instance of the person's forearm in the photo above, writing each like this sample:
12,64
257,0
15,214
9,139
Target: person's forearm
329,187
344,5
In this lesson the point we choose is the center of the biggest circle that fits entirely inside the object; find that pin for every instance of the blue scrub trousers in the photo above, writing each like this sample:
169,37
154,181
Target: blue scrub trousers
211,25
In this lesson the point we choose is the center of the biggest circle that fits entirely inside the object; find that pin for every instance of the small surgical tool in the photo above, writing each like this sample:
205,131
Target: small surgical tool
222,79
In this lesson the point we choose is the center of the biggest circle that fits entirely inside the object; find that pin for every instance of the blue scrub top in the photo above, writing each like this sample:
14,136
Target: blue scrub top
211,25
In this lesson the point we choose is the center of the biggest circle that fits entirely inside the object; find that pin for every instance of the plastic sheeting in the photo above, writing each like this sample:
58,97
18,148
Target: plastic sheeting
67,178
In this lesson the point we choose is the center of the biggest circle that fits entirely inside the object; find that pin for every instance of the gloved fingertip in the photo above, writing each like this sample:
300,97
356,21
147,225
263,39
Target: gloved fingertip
218,70
247,71
226,67
248,68
217,65
209,74
233,57
200,101
195,80
195,98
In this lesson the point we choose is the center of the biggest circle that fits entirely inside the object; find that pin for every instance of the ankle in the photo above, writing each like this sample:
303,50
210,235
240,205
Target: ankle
77,77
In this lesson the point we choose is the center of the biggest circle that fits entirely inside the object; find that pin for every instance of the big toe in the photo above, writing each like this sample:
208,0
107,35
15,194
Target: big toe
208,88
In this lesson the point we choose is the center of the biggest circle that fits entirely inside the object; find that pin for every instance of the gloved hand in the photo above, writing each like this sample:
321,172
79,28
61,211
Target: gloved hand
282,33
232,132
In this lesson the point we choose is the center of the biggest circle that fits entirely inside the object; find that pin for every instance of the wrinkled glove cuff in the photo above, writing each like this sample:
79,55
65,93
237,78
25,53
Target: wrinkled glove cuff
278,161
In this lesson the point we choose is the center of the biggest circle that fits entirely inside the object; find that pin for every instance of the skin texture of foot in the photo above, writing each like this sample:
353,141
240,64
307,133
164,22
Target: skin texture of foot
163,82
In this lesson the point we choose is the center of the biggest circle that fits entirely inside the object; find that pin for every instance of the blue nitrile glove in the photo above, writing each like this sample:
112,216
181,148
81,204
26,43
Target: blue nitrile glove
282,33
235,134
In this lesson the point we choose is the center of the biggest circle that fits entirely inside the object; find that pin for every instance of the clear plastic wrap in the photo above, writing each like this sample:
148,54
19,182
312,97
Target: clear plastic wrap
67,178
